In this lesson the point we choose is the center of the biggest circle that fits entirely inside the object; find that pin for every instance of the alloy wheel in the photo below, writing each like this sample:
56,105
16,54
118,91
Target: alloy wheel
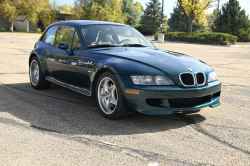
107,95
34,72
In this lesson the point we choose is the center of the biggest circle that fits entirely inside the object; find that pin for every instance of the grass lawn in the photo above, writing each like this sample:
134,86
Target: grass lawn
6,31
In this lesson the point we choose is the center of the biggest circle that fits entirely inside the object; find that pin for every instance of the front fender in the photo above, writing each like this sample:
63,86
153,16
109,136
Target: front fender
120,66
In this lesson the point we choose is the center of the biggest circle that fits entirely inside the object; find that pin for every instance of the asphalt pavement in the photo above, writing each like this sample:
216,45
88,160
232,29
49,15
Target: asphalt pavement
60,127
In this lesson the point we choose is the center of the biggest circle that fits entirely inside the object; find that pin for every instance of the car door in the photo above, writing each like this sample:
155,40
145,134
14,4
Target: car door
87,61
48,47
62,63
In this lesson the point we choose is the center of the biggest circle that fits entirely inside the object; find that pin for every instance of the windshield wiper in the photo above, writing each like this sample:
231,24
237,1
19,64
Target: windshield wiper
103,45
134,45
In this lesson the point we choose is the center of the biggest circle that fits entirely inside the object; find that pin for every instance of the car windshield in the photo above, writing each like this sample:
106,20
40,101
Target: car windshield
97,36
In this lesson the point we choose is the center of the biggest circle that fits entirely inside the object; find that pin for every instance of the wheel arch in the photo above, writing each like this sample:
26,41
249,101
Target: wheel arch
97,74
34,54
31,56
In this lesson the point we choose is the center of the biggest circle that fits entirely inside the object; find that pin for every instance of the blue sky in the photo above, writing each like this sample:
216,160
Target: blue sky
169,4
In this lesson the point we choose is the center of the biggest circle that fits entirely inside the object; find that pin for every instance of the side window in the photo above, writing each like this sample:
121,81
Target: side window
49,37
65,34
76,42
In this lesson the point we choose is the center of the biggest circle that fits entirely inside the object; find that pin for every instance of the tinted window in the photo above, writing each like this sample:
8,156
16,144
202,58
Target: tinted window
49,37
65,34
76,42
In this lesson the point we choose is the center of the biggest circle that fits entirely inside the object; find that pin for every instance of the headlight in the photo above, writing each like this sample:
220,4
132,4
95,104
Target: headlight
147,80
151,80
212,77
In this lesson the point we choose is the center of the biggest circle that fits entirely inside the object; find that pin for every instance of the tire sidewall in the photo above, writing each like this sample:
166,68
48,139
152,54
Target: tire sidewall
41,81
120,111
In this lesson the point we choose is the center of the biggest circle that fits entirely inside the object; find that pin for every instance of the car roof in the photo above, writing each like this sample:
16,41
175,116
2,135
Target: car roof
85,22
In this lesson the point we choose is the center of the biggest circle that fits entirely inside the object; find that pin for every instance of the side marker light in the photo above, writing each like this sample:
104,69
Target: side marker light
132,92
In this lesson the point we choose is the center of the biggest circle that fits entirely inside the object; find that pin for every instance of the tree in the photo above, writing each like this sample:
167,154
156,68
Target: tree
194,9
47,14
233,20
151,18
66,9
139,9
132,15
211,17
31,9
104,10
179,23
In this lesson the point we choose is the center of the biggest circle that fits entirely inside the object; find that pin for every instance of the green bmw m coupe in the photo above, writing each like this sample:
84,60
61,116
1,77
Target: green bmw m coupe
119,67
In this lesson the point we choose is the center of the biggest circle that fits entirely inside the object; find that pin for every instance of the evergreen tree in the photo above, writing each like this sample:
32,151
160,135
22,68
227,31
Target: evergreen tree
179,23
132,14
233,20
151,18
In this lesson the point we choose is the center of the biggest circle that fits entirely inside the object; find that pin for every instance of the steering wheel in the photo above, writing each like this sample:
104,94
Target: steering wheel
124,41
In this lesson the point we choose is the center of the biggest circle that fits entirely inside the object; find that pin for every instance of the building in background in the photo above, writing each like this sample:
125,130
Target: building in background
26,25
4,24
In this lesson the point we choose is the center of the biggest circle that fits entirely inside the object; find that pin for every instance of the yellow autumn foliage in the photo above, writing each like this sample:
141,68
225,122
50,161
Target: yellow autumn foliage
10,9
66,9
108,10
197,8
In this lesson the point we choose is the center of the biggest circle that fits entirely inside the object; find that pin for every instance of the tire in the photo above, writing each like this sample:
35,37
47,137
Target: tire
109,97
37,79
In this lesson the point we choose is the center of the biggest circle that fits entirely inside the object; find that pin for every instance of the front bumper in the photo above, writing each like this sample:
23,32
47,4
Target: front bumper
158,100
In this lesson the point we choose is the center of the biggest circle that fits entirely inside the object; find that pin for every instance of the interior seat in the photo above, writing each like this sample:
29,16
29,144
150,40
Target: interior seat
105,37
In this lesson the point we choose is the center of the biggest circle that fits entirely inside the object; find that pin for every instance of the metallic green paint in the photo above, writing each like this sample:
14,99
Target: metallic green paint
137,103
124,62
216,104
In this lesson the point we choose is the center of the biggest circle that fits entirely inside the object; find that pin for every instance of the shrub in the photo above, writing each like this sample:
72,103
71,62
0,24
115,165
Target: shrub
210,38
139,27
143,29
3,30
38,30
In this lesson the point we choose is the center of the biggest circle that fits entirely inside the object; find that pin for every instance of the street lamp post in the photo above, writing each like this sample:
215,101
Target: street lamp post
162,14
218,9
161,36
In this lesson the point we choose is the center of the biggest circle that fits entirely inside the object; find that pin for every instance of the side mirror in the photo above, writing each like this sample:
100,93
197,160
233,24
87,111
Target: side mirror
63,45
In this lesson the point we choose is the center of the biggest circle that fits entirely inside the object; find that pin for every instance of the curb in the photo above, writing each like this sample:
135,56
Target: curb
239,45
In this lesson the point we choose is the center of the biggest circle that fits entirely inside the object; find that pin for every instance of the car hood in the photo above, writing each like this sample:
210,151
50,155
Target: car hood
169,62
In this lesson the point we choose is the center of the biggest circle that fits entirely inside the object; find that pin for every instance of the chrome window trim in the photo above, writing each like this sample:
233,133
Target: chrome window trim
183,83
204,79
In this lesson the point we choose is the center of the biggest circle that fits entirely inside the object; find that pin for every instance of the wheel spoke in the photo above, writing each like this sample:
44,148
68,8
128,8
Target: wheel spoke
108,108
107,105
111,89
103,96
106,86
113,101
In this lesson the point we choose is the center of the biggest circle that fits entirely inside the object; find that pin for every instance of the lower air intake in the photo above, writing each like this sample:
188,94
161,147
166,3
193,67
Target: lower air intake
189,102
